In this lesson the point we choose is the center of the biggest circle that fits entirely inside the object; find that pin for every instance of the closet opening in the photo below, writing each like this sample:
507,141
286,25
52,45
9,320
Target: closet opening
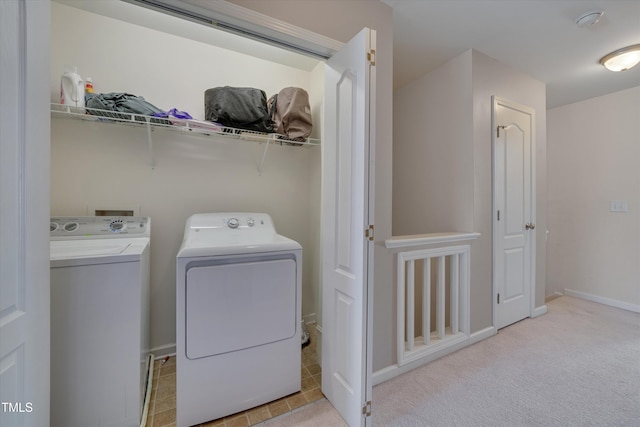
171,61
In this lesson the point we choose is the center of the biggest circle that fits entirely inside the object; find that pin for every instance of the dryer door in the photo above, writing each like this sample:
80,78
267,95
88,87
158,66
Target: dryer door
238,305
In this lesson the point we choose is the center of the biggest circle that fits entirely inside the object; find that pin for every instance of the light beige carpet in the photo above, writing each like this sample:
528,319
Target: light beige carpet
577,365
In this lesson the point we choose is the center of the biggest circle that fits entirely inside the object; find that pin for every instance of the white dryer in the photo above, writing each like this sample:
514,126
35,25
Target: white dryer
238,316
99,320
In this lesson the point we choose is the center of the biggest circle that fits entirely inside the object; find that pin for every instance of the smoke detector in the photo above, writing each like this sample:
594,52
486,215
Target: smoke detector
589,18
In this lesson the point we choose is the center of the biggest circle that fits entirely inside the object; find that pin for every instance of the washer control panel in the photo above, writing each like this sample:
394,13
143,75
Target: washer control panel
99,226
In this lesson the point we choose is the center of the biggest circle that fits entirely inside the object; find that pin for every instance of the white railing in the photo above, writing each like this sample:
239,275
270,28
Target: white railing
446,271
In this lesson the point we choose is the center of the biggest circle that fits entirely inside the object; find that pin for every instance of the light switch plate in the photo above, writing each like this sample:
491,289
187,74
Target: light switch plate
618,206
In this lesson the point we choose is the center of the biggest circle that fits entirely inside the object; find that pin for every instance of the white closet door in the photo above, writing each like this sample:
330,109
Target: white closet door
514,244
346,151
24,205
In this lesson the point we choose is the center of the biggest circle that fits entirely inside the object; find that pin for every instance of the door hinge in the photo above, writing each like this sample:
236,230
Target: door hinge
371,57
498,215
498,130
498,298
366,409
368,233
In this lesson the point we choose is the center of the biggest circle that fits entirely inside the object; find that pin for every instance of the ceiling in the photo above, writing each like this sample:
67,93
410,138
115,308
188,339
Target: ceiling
537,37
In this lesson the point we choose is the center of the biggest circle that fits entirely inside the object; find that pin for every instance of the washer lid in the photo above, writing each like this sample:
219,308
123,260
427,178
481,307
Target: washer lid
64,253
199,247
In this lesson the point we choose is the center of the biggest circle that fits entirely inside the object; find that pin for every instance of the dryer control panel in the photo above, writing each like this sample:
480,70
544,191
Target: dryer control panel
227,233
98,227
240,221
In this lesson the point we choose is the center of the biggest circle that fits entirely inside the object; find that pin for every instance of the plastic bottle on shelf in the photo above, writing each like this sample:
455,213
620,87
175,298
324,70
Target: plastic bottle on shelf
72,88
88,85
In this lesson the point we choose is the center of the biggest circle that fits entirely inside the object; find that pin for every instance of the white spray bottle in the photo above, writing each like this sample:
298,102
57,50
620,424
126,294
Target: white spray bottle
71,88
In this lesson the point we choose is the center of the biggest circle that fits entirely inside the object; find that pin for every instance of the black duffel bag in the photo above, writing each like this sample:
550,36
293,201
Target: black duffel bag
238,107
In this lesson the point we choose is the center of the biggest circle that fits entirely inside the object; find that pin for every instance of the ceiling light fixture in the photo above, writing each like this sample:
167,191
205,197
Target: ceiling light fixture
622,59
589,18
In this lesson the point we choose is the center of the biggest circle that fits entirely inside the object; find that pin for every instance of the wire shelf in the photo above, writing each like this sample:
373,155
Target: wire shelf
173,124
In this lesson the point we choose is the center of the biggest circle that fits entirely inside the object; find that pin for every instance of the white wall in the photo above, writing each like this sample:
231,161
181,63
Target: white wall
433,151
443,161
594,157
103,165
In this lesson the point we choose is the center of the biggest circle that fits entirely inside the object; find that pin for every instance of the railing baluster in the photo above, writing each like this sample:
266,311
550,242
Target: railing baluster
410,304
426,300
464,293
440,298
454,298
401,307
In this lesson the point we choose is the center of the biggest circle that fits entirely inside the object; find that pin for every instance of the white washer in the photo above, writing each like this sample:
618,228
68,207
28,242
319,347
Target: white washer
238,315
99,320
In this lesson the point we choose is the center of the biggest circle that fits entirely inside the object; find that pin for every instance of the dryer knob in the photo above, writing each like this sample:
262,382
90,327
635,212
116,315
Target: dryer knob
250,222
233,223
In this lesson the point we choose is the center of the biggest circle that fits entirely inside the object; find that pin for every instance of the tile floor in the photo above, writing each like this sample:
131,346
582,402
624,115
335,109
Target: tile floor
162,408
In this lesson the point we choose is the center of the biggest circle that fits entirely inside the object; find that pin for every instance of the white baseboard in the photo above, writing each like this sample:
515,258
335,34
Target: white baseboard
393,371
309,318
603,300
539,311
553,296
319,344
164,350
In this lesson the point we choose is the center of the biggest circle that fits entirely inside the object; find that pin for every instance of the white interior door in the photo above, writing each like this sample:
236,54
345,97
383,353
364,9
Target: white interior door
514,216
24,213
346,150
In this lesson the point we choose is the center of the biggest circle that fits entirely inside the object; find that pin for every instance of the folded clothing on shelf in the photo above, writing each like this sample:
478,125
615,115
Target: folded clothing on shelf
174,112
123,103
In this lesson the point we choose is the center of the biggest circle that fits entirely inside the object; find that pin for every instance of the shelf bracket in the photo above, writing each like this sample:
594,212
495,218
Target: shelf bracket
150,142
264,156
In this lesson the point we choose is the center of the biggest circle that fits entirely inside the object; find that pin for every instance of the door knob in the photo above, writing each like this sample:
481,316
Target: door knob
530,226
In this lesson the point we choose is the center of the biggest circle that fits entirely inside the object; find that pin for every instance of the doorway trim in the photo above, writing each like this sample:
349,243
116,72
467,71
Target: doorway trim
495,101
